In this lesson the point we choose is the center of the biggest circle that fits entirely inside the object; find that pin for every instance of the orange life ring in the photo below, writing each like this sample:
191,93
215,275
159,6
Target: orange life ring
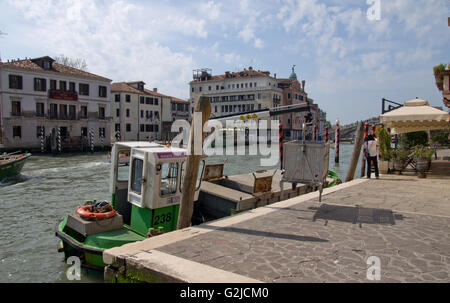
84,212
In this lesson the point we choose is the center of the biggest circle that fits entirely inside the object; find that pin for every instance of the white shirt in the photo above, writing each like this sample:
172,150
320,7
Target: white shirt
372,148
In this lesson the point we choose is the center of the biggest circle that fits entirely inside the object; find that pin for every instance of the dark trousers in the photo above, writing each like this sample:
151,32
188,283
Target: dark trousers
369,168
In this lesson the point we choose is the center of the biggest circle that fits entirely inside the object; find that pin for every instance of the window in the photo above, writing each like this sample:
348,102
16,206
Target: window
102,91
142,114
128,112
155,128
192,89
217,87
246,85
117,127
200,89
128,126
16,108
289,95
53,111
72,112
142,127
142,100
72,86
63,111
259,106
117,97
136,175
232,85
62,85
53,84
259,96
84,132
156,101
101,112
147,100
83,89
40,85
39,109
127,98
83,111
148,127
169,178
199,176
242,85
215,109
251,84
117,112
255,84
209,87
15,81
17,131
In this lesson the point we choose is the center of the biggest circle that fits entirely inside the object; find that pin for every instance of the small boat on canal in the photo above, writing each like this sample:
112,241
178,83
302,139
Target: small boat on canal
11,164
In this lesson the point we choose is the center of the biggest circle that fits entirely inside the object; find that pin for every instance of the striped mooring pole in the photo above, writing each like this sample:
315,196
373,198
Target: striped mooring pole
102,138
363,164
373,129
59,139
280,140
338,130
315,132
42,139
117,135
91,139
326,134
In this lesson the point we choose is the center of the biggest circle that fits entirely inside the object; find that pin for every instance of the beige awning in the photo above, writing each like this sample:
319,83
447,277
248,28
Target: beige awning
415,115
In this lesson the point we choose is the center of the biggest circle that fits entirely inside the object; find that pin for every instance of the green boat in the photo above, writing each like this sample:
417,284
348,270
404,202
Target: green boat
145,193
12,164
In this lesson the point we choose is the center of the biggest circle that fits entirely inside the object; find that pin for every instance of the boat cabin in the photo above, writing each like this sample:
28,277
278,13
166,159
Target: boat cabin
146,191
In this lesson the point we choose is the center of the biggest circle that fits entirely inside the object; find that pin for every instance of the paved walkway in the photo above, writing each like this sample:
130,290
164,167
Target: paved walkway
402,220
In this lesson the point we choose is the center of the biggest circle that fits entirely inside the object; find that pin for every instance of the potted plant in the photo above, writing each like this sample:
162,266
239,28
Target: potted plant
384,143
422,157
400,156
438,75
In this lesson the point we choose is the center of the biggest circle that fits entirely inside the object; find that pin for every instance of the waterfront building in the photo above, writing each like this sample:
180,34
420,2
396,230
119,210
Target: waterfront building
248,90
174,109
235,92
140,114
68,105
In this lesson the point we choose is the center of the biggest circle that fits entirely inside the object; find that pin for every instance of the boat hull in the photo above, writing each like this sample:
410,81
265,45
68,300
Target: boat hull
13,168
90,249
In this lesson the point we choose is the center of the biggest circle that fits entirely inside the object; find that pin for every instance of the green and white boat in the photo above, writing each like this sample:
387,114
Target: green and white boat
145,193
12,164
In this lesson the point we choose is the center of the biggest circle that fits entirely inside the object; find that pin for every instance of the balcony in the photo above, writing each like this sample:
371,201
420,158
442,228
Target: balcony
62,95
16,114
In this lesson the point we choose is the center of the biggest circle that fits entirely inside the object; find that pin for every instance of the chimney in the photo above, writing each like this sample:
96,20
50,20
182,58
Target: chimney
275,75
303,85
155,89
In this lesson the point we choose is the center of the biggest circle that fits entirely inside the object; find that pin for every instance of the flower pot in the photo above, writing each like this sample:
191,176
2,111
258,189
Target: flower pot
398,166
422,165
383,166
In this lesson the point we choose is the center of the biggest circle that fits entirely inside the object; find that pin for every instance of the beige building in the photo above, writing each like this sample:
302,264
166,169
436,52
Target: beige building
139,114
41,95
235,92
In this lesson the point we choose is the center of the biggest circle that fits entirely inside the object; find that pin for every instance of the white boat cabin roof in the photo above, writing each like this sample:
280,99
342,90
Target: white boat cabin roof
138,144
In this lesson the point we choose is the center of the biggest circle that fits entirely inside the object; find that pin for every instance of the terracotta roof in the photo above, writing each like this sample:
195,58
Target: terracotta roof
125,87
246,73
28,64
179,100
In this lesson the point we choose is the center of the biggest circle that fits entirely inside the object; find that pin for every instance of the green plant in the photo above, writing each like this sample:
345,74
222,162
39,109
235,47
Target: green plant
409,140
422,151
384,141
440,67
441,138
400,153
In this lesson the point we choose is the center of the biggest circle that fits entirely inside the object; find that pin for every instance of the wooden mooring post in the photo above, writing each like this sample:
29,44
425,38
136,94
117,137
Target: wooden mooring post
359,139
202,106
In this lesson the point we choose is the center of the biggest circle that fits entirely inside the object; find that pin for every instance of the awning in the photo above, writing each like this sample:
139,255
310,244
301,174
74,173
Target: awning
415,115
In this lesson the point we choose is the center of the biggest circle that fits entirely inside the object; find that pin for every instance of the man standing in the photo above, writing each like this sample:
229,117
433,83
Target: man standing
371,154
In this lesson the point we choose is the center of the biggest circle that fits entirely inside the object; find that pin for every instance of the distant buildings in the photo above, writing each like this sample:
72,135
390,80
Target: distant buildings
139,114
41,95
248,90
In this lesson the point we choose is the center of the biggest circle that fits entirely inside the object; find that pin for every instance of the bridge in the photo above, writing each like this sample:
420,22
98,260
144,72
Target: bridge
348,130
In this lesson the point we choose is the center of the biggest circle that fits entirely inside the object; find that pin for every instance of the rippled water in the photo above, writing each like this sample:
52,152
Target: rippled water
50,187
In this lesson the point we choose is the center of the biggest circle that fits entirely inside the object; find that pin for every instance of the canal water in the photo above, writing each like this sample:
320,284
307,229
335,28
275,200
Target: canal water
50,187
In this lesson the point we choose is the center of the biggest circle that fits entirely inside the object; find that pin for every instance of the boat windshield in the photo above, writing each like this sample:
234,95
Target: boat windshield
136,177
169,178
199,176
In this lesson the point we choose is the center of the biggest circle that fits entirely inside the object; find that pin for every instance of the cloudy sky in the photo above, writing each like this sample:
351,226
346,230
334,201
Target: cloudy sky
349,62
